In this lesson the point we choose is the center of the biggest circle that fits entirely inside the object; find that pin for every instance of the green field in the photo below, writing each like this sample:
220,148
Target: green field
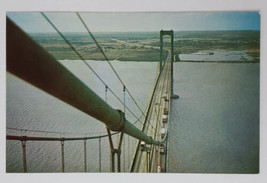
144,46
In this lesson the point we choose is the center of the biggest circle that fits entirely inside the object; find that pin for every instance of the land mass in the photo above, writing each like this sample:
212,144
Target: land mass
144,46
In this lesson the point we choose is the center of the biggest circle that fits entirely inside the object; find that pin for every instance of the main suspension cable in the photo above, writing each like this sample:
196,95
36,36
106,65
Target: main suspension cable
106,58
80,56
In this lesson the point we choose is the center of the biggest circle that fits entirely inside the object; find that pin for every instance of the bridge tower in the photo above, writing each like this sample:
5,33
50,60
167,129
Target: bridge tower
169,33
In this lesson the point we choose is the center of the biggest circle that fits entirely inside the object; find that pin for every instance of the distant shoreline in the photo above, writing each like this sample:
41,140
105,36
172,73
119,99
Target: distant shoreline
145,46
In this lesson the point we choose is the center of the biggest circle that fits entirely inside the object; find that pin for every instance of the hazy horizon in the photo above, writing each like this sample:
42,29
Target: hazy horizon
33,22
102,32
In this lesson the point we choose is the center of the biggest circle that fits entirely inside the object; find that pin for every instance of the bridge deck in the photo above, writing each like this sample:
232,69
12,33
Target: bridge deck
148,160
214,125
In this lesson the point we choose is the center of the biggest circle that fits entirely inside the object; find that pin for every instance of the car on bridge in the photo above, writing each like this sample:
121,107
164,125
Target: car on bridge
163,132
165,111
162,149
164,118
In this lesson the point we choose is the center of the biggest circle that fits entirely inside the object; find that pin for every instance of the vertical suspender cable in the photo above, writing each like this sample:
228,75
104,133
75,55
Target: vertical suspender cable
106,94
23,143
99,151
124,153
62,155
85,156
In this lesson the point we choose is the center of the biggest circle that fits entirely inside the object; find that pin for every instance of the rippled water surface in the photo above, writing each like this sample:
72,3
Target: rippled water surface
31,108
218,55
214,125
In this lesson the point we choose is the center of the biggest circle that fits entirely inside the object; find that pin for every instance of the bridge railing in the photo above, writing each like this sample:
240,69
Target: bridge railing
62,140
148,157
71,152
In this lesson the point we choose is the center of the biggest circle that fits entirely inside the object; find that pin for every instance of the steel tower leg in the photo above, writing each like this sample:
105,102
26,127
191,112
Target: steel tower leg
161,50
170,33
172,59
114,151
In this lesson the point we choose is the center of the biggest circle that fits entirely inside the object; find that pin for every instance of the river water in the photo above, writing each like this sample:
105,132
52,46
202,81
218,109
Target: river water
216,55
31,108
214,125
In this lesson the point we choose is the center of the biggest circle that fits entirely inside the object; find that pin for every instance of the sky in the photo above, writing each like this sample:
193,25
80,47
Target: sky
33,22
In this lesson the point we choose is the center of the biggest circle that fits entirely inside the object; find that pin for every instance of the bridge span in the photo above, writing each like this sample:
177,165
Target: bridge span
215,128
34,65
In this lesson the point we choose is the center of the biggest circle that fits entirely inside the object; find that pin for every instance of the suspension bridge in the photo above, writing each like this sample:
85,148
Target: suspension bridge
215,128
34,65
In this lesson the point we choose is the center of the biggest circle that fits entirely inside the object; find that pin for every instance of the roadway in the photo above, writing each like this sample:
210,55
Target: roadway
151,157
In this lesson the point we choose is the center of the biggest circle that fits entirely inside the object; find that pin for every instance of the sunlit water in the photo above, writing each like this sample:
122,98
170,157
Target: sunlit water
218,55
31,108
